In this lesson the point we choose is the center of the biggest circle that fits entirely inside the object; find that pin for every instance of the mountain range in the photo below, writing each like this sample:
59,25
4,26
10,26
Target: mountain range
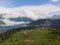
20,17
46,23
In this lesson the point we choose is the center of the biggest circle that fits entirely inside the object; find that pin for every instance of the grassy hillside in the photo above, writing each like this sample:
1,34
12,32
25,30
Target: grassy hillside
38,36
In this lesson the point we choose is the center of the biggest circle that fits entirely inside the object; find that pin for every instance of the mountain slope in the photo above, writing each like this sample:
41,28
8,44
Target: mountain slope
46,22
55,23
41,22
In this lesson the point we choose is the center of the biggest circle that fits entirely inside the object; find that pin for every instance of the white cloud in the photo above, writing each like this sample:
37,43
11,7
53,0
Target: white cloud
30,11
8,22
54,0
33,12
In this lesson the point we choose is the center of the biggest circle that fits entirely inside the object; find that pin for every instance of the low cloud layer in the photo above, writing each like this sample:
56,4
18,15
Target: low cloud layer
33,12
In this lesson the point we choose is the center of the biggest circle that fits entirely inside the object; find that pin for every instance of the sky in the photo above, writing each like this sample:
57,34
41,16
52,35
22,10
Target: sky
18,3
34,9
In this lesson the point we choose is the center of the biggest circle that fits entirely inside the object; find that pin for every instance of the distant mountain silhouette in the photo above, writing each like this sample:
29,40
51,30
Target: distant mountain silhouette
55,23
41,22
24,19
55,16
46,22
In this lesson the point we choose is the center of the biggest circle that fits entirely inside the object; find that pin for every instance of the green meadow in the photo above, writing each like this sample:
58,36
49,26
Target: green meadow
38,36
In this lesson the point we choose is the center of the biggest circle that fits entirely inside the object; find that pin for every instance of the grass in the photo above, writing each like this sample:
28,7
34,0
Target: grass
37,37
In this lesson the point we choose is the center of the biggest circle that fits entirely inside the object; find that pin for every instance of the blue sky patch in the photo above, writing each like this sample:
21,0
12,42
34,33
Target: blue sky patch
18,3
